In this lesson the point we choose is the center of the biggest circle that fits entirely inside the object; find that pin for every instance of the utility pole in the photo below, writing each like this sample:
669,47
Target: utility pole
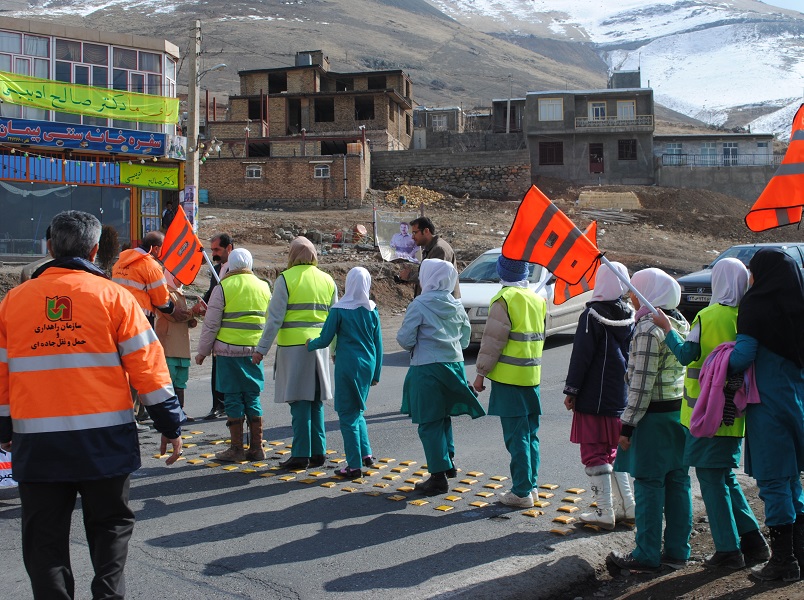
508,109
193,127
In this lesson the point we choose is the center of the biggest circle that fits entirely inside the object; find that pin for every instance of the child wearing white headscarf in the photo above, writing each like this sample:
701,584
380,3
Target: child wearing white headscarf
355,320
652,438
435,330
596,392
735,530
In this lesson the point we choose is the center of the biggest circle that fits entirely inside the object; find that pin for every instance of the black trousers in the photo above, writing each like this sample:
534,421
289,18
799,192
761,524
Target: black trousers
217,397
47,509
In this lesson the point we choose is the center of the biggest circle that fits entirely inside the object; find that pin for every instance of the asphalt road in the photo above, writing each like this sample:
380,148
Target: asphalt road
210,533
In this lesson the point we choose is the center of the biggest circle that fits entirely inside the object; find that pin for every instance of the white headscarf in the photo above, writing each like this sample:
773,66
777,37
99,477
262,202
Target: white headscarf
607,285
658,288
358,284
171,281
240,258
729,282
436,275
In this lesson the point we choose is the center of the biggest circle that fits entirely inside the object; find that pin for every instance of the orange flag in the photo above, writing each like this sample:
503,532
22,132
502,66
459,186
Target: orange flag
544,235
563,291
780,203
181,251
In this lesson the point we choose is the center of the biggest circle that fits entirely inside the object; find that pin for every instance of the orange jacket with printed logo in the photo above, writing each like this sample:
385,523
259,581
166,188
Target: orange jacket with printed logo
142,275
71,342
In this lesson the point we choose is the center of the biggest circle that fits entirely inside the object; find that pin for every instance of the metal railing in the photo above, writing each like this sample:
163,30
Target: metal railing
638,121
720,160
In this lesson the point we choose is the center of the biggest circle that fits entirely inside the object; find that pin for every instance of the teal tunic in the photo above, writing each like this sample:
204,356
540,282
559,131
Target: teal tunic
358,354
508,400
437,391
657,447
712,453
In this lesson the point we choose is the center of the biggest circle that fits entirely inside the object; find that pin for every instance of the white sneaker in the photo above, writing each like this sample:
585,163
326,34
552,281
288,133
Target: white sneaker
511,499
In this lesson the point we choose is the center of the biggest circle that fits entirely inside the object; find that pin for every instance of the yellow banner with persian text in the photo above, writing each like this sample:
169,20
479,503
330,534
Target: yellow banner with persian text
86,100
146,176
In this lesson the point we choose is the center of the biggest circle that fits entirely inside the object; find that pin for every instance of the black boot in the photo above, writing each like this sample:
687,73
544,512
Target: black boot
317,460
782,564
295,462
754,546
798,540
437,484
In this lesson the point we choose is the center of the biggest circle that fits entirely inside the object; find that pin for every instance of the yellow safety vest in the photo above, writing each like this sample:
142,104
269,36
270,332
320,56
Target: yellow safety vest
310,293
246,299
520,362
718,325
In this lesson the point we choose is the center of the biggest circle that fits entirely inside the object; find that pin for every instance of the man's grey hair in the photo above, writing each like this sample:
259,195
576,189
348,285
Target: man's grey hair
74,233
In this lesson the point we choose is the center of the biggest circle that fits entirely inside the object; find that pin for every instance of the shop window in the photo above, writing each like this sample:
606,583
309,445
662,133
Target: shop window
254,172
324,110
626,149
551,153
321,172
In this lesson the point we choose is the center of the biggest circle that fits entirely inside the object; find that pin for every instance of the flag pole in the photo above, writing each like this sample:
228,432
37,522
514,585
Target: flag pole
211,266
642,300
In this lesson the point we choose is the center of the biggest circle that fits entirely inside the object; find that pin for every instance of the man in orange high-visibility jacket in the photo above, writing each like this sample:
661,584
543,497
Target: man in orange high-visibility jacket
140,273
70,342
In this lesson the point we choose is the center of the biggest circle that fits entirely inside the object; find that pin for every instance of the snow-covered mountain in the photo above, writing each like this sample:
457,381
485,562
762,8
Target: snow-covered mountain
705,59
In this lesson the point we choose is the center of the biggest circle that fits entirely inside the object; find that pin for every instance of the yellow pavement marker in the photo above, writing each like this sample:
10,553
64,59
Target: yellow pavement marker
259,464
485,494
533,513
186,437
266,475
387,460
228,441
216,442
328,484
462,490
475,473
317,473
559,531
212,465
189,445
498,478
289,446
308,480
564,520
453,498
400,470
349,489
424,466
248,470
370,472
546,495
391,477
276,443
381,485
593,505
444,508
297,471
380,466
541,503
274,468
208,455
181,458
397,497
373,493
287,478
548,486
420,473
406,489
575,490
359,481
282,452
407,463
331,452
593,527
230,468
419,502
160,455
572,499
196,461
568,509
493,486
469,481
196,432
478,504
337,461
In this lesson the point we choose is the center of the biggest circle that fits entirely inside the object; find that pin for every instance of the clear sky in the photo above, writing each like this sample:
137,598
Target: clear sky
791,4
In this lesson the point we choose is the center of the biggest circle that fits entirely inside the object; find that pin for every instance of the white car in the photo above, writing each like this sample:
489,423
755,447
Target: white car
479,283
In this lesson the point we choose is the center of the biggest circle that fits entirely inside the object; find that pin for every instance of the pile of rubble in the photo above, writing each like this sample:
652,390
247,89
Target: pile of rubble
413,196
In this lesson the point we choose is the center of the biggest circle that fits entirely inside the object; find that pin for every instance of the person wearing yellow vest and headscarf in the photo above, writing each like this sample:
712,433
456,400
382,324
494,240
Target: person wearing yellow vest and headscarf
234,322
734,527
510,356
303,295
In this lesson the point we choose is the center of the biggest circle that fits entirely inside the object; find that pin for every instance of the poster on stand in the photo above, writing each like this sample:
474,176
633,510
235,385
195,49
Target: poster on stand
392,233
188,199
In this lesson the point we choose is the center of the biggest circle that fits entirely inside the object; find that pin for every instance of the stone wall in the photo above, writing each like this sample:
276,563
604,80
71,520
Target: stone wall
498,175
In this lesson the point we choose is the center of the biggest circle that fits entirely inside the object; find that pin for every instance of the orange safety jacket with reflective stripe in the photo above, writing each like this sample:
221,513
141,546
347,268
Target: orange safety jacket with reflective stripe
563,291
781,202
71,342
143,276
544,235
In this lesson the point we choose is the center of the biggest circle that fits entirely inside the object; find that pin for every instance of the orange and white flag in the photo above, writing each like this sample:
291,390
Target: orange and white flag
781,202
182,252
563,291
544,235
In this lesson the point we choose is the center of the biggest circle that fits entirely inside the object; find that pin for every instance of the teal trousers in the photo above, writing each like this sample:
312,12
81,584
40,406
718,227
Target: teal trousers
437,442
783,498
729,514
237,405
355,437
309,435
669,497
521,435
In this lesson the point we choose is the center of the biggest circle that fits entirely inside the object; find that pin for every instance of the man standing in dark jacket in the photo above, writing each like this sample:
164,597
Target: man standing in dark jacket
70,343
423,232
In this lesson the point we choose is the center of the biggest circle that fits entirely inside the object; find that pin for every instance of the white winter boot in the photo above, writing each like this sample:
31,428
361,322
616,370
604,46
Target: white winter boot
624,504
603,515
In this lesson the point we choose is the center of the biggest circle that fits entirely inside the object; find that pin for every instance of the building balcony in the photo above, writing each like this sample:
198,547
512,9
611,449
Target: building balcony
721,160
640,122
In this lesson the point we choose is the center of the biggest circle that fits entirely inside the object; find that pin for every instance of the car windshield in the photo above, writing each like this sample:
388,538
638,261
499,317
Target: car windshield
484,270
741,253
